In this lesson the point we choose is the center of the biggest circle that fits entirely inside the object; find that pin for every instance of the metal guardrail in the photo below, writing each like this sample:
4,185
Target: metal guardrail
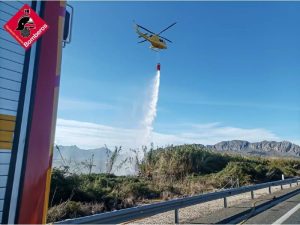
140,212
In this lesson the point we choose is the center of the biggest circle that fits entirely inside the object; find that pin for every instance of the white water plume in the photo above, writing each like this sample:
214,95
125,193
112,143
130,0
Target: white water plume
151,109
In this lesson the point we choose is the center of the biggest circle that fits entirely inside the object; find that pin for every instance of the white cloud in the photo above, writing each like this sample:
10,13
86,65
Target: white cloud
91,135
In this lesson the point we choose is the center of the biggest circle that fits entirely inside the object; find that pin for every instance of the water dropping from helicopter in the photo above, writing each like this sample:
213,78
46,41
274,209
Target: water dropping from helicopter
158,43
151,109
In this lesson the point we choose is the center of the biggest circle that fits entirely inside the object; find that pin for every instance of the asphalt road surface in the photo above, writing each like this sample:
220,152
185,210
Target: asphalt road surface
287,212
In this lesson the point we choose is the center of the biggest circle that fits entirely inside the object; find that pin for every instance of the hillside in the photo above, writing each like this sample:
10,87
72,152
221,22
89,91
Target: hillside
77,159
164,173
180,162
263,148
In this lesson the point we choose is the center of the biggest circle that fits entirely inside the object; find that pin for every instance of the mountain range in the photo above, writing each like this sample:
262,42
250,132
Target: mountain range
78,159
263,148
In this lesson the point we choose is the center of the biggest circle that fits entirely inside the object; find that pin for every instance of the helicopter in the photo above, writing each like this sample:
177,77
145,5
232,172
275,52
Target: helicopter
157,42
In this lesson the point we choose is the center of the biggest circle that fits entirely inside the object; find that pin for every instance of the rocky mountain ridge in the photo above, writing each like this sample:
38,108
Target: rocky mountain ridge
268,148
77,159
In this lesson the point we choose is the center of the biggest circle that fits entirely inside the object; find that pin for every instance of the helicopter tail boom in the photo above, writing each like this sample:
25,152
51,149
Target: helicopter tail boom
140,33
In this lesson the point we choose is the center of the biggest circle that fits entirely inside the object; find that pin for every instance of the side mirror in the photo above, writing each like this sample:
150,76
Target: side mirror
68,25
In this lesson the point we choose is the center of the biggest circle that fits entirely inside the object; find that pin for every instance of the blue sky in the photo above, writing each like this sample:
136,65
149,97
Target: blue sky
233,68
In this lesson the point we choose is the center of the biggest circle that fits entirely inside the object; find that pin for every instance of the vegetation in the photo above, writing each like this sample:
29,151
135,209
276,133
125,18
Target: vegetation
163,173
73,195
98,188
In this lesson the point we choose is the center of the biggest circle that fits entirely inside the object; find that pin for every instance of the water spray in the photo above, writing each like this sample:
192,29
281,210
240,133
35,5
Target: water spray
152,107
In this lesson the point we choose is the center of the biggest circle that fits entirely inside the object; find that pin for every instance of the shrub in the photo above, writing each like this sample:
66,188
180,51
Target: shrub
71,209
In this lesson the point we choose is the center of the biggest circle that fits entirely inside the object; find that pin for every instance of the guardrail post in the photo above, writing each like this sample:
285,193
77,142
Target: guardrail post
297,183
252,194
281,187
225,202
176,216
270,190
291,184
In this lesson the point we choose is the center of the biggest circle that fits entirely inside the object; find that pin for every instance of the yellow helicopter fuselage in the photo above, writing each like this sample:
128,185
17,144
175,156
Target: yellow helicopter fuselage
156,42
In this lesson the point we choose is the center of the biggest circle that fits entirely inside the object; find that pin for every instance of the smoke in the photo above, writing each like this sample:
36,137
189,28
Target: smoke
151,109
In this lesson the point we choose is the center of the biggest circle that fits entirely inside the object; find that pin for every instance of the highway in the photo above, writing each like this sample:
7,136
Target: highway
286,212
280,207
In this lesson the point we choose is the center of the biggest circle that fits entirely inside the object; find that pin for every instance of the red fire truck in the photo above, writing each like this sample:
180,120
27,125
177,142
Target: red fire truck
29,86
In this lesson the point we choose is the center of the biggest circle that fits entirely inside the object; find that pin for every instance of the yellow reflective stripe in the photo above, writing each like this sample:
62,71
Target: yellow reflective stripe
7,117
5,145
7,125
47,192
6,136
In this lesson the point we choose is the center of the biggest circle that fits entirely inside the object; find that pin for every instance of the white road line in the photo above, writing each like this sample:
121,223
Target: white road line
287,215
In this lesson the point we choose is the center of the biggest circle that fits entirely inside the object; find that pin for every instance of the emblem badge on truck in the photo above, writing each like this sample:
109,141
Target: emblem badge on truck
26,26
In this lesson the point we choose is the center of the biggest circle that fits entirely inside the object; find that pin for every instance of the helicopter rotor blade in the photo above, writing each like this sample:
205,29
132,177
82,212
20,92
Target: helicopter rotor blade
145,29
165,39
167,28
141,41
